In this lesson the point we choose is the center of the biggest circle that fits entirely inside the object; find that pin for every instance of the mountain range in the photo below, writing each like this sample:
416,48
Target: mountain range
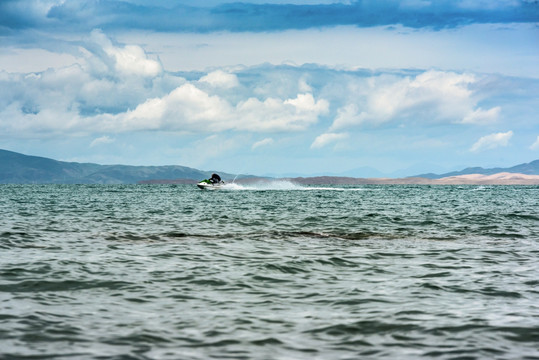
531,168
16,168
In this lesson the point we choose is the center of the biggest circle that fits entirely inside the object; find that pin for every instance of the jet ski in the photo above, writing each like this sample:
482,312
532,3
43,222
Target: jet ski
213,183
207,185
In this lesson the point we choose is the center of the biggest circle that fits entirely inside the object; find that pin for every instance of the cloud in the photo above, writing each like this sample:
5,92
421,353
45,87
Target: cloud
188,108
261,143
349,116
171,16
129,59
304,86
95,95
220,79
480,116
107,79
492,141
535,145
274,115
102,140
327,138
118,88
435,96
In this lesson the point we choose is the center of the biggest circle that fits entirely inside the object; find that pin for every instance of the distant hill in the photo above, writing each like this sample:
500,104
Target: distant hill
16,168
503,178
531,168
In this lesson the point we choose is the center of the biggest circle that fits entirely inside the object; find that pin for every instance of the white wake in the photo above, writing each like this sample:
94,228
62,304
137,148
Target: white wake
284,185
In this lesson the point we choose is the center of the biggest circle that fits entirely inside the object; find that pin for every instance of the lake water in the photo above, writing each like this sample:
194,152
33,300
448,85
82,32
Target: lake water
277,271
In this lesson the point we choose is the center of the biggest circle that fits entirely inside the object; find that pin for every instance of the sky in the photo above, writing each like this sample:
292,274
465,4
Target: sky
272,87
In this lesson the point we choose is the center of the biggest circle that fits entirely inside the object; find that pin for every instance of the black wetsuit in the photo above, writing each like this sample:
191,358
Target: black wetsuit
215,179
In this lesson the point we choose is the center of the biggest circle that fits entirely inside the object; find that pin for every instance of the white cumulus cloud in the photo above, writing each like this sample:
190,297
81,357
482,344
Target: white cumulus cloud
188,108
274,114
327,138
480,116
492,141
221,79
130,59
102,140
433,96
263,142
535,145
348,116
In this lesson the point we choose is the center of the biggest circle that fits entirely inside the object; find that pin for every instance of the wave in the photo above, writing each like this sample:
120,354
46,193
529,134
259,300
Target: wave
283,185
265,185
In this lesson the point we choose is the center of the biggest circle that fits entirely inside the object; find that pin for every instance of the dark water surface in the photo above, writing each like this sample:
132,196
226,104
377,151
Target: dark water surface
273,272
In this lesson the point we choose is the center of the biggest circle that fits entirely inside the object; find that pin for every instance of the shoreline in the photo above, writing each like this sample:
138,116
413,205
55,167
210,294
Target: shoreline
471,179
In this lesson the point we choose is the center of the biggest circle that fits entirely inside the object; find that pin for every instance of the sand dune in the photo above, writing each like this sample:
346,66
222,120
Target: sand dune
503,178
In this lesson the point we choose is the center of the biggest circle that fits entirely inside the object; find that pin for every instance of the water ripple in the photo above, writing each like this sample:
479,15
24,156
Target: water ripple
170,272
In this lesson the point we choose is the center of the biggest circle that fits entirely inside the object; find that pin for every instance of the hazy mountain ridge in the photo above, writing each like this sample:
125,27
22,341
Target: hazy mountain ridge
531,168
24,169
16,168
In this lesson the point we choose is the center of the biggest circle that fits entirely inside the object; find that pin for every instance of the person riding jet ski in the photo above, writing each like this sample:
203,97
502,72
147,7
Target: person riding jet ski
212,183
215,179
